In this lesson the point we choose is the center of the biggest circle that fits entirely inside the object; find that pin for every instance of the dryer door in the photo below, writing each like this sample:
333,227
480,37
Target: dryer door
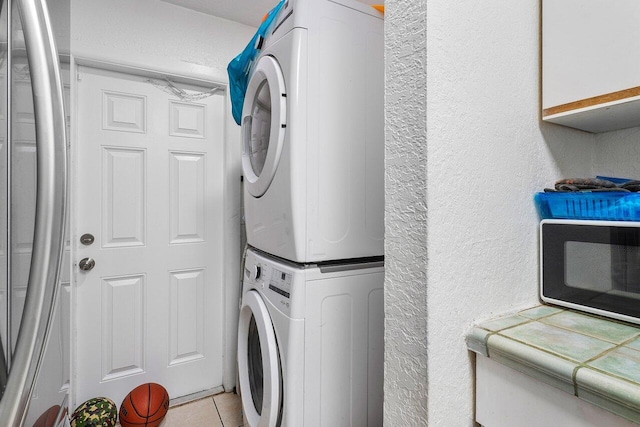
258,364
263,125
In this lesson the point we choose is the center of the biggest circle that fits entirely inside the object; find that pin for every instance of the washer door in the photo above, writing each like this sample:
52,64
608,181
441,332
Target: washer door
258,363
263,125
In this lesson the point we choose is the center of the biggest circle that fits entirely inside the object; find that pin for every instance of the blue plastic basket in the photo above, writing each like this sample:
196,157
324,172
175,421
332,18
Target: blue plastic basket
606,206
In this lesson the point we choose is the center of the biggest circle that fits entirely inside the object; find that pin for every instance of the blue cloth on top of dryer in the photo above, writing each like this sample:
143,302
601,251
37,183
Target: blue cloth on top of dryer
240,66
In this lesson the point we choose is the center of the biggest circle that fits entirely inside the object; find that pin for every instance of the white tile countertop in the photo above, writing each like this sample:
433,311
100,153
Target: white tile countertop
593,358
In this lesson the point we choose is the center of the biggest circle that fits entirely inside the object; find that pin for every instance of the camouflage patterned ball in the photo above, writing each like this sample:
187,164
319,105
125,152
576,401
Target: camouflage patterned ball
97,412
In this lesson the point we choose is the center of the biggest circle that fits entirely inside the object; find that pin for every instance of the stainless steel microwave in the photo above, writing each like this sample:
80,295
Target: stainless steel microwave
593,266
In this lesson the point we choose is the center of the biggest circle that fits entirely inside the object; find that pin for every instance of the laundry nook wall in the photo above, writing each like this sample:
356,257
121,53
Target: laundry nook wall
462,111
156,35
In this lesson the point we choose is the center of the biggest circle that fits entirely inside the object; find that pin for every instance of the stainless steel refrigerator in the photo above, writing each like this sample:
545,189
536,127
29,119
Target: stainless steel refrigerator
33,187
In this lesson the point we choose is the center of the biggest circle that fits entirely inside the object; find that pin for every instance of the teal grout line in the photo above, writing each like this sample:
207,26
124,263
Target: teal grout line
624,343
577,367
490,333
538,318
527,321
611,374
579,364
585,364
574,374
606,319
637,335
486,341
559,356
574,380
593,336
544,350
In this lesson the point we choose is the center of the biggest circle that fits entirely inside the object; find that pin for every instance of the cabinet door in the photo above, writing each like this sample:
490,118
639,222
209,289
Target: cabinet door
591,75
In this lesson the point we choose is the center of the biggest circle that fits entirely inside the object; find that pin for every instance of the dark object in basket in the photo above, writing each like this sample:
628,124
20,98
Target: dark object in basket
631,186
589,190
581,184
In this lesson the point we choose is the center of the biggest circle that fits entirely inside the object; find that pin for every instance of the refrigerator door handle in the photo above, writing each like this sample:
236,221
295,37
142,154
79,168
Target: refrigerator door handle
50,210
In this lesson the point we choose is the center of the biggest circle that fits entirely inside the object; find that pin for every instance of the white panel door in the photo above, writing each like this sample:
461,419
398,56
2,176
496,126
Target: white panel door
149,189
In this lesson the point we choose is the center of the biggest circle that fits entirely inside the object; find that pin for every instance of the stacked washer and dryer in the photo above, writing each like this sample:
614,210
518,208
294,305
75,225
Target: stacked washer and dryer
310,339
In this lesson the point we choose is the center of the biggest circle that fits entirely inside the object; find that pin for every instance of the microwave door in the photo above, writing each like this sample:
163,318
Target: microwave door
33,183
625,263
592,266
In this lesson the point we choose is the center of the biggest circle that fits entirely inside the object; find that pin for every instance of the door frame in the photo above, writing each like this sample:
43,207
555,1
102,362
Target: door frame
232,197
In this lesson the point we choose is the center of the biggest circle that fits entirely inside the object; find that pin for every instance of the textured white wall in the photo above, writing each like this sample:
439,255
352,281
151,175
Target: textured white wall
618,153
157,35
470,159
405,213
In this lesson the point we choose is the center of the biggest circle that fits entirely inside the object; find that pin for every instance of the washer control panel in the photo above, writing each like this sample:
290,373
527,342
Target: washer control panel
275,281
280,283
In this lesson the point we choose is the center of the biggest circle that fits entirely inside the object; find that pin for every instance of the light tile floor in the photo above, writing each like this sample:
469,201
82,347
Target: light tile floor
221,410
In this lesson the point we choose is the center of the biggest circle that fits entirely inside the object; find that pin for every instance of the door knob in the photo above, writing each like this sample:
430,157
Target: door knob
86,264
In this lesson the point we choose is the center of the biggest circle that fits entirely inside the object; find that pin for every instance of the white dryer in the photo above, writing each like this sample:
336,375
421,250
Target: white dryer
313,134
310,343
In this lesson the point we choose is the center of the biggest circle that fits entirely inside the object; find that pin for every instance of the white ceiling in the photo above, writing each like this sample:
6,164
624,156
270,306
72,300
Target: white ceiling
248,12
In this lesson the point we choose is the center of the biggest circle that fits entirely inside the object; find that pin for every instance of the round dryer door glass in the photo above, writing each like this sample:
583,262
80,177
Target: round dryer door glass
264,124
260,128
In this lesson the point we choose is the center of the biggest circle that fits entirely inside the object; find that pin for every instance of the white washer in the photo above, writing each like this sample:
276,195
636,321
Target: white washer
310,343
313,134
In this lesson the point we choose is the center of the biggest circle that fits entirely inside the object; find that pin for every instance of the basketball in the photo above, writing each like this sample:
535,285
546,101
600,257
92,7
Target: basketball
48,418
97,412
145,406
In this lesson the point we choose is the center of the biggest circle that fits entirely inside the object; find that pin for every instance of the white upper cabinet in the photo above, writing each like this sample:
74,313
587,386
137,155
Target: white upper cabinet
591,63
